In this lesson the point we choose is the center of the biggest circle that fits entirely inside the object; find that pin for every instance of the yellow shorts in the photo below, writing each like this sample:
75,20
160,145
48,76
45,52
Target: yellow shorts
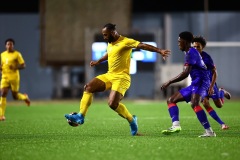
116,82
12,83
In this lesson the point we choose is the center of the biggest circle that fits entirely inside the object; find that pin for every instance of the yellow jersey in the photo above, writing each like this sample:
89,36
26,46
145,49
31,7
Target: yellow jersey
119,55
10,59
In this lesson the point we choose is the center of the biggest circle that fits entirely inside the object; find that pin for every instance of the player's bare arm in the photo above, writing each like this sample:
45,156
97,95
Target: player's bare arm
178,78
214,78
164,52
18,67
102,59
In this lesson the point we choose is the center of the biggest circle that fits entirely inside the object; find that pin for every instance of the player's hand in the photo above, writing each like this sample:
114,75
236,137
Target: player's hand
165,53
210,91
93,63
12,67
165,85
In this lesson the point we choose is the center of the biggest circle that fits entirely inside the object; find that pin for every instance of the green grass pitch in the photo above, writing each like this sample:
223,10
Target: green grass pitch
41,132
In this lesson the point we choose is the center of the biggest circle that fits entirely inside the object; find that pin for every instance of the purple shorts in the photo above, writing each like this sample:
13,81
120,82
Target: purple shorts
194,89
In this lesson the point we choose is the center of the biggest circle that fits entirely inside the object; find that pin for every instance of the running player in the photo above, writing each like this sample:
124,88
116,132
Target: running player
11,62
217,94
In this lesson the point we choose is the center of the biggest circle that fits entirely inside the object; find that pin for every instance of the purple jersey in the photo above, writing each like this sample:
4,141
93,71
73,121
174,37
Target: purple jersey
210,66
207,59
199,69
199,75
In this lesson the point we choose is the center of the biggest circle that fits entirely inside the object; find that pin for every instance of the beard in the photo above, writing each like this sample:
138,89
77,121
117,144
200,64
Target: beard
110,39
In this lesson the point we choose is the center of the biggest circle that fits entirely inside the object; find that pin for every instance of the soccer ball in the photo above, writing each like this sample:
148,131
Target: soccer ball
73,124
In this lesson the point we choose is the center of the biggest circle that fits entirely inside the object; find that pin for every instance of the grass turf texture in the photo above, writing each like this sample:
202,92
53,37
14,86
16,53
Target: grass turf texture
41,132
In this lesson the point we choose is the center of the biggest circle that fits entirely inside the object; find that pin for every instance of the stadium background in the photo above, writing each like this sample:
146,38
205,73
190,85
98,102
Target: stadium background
49,76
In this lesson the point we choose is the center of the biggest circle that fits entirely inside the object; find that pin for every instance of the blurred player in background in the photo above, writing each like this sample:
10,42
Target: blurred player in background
117,79
198,89
217,94
11,62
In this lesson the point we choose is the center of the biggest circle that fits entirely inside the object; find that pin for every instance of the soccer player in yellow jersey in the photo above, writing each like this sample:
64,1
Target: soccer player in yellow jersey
117,79
11,62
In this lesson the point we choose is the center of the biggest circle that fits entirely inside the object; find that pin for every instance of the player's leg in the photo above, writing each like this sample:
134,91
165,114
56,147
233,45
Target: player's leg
3,102
220,93
119,87
218,98
217,118
16,95
20,96
95,85
121,109
174,110
213,113
224,93
201,115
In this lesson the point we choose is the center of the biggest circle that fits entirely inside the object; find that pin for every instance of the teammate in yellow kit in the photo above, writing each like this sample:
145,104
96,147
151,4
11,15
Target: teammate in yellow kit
117,79
11,62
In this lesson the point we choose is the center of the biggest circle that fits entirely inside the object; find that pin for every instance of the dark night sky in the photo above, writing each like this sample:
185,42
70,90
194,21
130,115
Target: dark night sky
32,6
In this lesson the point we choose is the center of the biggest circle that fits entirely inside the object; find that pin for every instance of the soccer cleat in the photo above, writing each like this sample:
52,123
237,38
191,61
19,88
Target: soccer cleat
208,134
226,93
134,126
225,127
75,118
2,118
27,101
173,129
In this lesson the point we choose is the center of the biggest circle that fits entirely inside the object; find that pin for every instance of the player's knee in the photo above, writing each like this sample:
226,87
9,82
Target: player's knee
15,97
170,100
87,88
113,105
219,105
3,94
205,103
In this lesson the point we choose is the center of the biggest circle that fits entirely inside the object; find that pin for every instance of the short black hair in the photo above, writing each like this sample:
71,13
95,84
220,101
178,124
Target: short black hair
186,35
9,40
110,26
200,39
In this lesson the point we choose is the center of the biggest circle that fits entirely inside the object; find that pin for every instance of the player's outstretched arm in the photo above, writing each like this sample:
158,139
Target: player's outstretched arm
164,52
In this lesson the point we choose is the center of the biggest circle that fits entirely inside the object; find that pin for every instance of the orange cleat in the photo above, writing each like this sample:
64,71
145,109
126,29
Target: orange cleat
27,101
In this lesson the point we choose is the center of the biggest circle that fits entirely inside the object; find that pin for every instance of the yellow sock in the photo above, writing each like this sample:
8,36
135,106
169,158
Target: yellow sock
85,102
21,96
123,112
3,102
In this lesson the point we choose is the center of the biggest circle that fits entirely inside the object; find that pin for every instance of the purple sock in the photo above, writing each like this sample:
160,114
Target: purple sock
202,117
173,111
